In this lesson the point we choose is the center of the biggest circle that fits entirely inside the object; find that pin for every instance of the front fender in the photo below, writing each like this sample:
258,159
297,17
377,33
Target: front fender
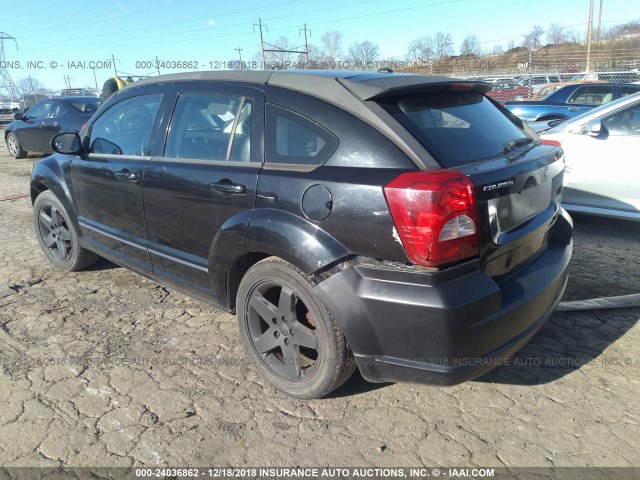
53,173
295,239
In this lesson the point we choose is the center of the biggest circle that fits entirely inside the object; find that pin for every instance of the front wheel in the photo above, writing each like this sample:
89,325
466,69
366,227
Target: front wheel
292,339
57,236
14,147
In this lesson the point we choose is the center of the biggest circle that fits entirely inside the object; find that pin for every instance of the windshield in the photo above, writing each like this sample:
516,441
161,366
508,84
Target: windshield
458,127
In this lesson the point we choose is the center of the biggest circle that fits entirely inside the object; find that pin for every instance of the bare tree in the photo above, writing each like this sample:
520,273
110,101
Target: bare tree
29,85
574,37
511,45
364,52
497,49
421,50
532,39
278,60
556,34
443,44
314,53
470,46
331,46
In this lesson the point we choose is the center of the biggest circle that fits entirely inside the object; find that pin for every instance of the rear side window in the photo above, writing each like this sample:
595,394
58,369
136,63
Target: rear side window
457,128
629,90
293,138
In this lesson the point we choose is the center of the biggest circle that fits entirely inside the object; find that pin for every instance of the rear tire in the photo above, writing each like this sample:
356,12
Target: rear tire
289,335
14,147
57,236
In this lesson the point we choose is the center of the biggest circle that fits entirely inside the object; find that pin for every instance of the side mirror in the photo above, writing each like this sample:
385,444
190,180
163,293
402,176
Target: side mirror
593,127
66,143
19,116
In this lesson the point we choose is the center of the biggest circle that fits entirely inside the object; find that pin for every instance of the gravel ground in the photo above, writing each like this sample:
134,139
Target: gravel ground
105,368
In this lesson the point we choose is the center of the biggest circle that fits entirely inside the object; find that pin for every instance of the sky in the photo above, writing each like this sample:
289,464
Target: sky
79,39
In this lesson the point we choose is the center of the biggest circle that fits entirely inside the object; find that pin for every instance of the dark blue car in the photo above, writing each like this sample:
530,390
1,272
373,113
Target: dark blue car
33,130
569,101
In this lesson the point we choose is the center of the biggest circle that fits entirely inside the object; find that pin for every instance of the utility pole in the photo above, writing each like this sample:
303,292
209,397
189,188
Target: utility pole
599,23
260,25
114,64
95,79
306,45
589,34
158,64
239,50
31,85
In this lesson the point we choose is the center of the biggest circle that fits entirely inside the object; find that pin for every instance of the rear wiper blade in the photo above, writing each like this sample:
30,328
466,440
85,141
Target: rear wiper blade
516,143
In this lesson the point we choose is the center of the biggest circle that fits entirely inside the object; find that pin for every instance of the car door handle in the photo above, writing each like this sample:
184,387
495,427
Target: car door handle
126,176
227,186
573,109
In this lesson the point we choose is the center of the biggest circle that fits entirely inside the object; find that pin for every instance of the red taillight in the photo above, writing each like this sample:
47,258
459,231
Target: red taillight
435,214
553,143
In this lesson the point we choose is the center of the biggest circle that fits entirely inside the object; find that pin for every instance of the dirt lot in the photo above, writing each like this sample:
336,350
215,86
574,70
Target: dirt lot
106,368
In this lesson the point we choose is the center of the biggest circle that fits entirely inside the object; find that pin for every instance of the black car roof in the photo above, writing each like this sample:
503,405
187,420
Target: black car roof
76,97
364,85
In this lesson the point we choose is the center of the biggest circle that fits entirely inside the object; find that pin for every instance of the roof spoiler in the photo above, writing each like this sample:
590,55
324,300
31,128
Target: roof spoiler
373,89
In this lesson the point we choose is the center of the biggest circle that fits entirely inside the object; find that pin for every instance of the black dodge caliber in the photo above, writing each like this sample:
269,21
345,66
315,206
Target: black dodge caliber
404,225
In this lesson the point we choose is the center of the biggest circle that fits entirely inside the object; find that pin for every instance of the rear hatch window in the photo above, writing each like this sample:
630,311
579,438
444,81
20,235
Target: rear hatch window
457,128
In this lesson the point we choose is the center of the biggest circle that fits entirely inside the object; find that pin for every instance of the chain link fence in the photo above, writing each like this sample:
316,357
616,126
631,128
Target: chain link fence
522,74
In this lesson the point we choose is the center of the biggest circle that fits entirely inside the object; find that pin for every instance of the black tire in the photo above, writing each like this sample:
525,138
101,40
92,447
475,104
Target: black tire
57,236
14,147
291,338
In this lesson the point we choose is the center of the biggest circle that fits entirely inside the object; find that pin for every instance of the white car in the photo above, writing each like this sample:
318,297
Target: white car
602,154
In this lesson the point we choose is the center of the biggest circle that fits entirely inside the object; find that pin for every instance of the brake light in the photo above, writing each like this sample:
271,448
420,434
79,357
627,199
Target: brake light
552,143
456,87
435,214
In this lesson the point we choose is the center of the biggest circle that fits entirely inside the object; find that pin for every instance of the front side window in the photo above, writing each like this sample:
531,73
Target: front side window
457,128
208,126
623,122
39,111
125,129
592,95
295,139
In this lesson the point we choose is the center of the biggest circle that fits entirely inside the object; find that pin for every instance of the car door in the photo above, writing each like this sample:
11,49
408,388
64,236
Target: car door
602,170
107,184
202,181
50,127
29,133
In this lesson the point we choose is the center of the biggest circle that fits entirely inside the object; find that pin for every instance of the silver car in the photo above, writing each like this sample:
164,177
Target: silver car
602,153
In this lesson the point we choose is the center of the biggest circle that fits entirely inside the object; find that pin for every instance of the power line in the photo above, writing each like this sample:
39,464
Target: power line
155,27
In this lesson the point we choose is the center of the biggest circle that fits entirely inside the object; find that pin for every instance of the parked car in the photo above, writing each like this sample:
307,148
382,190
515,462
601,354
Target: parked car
33,130
552,87
7,105
404,220
570,101
508,91
537,81
601,149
